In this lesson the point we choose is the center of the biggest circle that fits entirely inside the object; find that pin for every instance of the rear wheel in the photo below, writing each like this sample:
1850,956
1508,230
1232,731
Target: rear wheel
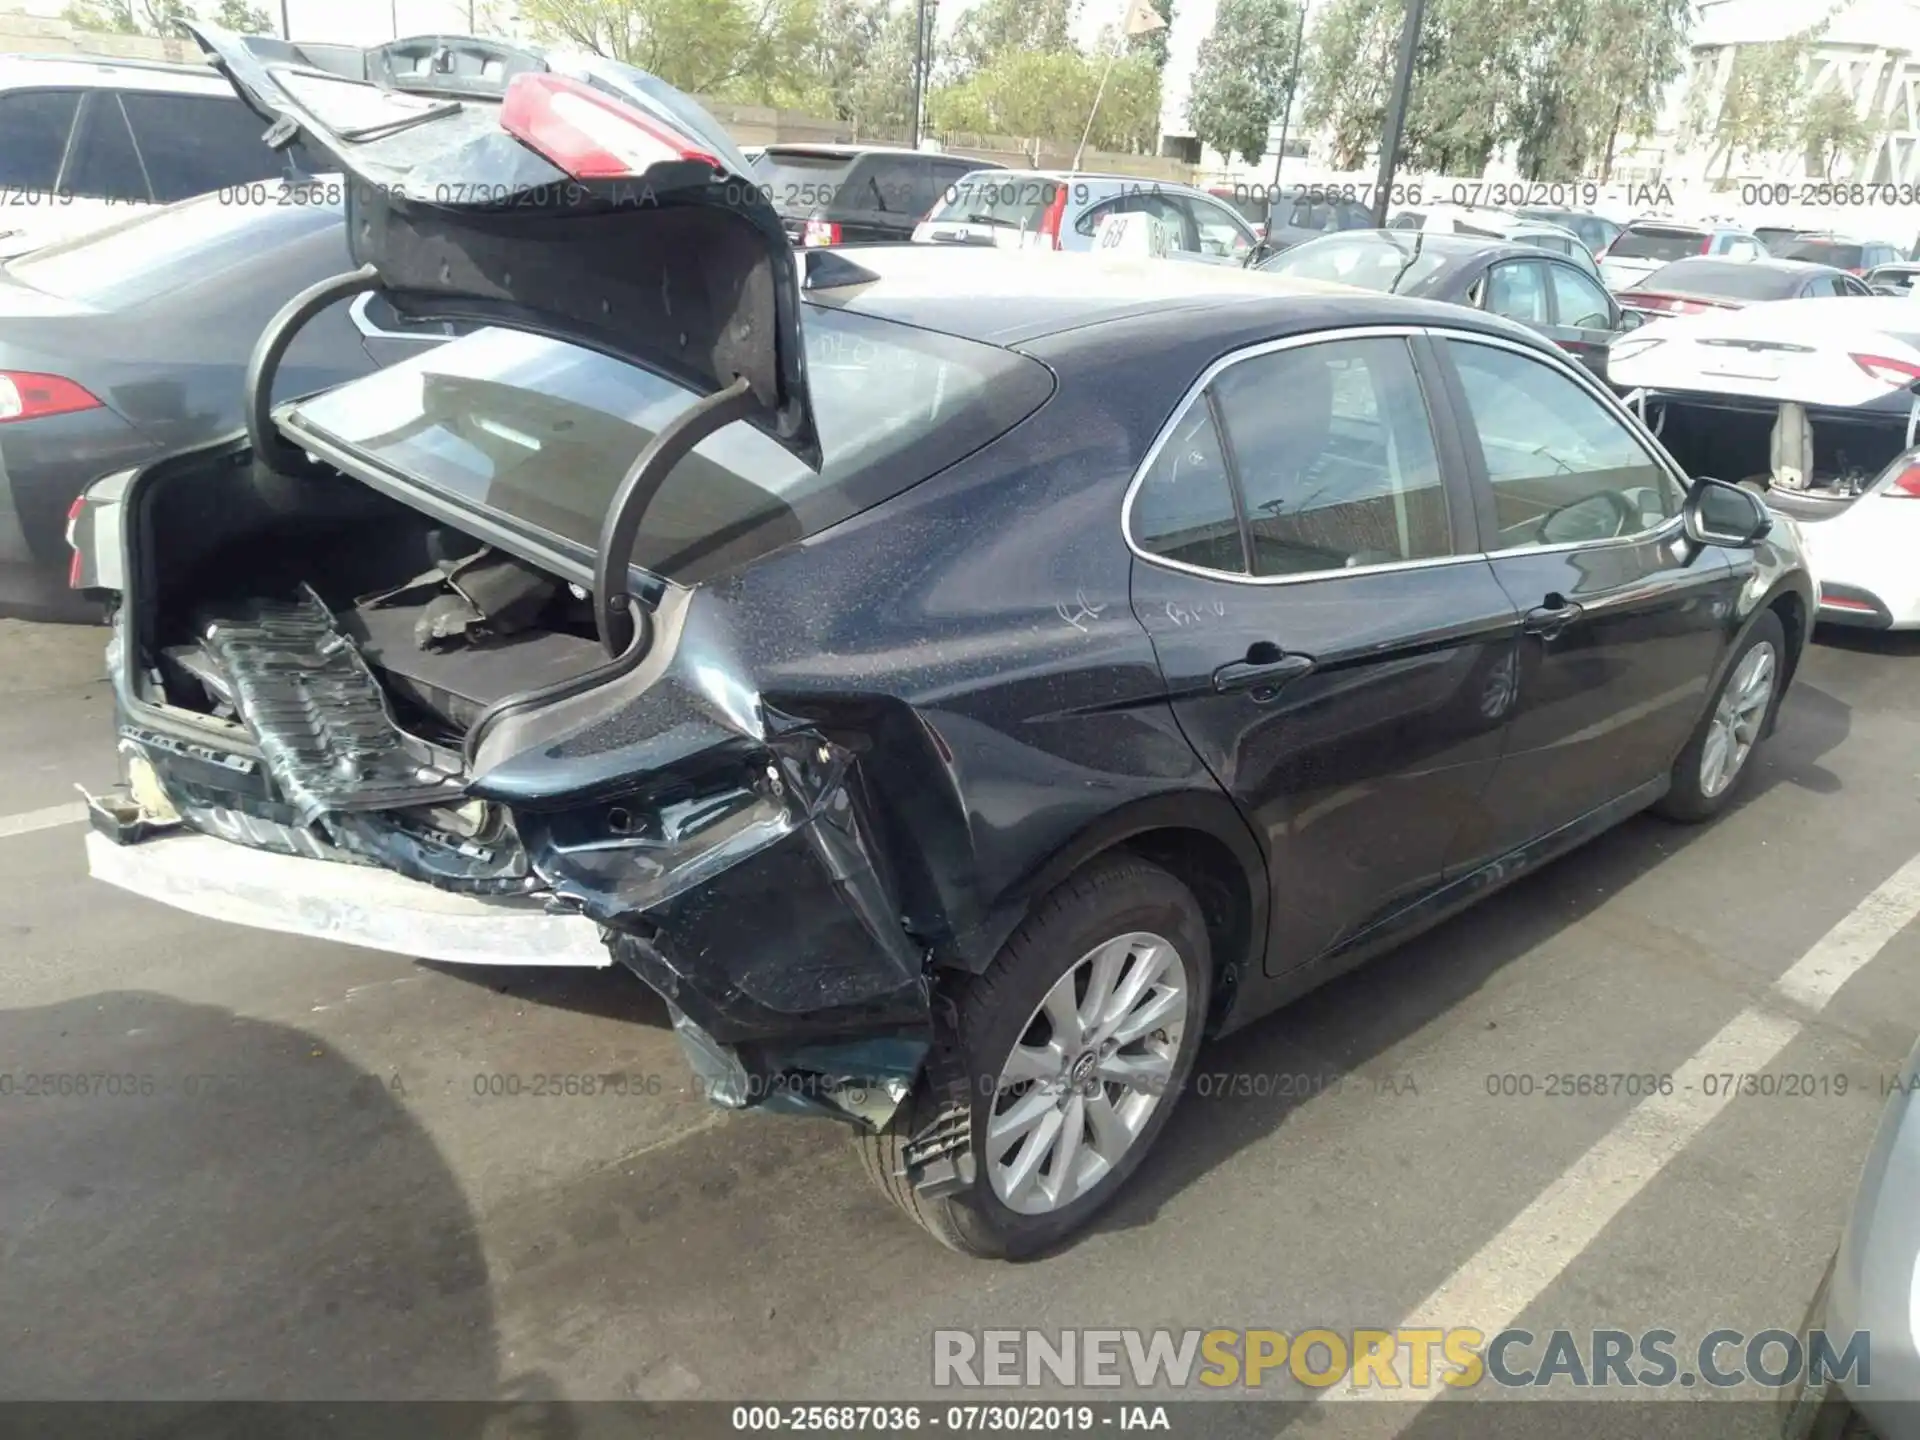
1078,1040
1709,769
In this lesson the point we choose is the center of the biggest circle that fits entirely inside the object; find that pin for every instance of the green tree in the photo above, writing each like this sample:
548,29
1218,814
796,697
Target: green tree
994,30
1830,127
243,18
1761,110
128,17
1049,96
1591,71
739,49
1241,78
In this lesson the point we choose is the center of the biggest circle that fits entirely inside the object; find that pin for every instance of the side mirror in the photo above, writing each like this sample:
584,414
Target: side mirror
1727,515
1631,320
1258,255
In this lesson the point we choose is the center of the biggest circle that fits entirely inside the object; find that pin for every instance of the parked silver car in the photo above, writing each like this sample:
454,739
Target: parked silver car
1870,1388
1063,209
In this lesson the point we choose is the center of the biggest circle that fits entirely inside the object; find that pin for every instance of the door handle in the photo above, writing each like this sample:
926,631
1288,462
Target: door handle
1550,619
1260,673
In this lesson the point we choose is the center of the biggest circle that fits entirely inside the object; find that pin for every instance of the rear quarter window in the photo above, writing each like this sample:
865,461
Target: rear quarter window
800,182
195,144
541,432
36,124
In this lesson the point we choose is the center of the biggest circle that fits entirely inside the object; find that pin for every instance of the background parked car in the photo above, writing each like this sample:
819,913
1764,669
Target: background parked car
128,342
1545,292
1249,204
846,194
1062,210
1307,217
1645,245
86,137
1702,282
1895,279
1777,237
1499,225
1856,257
1596,232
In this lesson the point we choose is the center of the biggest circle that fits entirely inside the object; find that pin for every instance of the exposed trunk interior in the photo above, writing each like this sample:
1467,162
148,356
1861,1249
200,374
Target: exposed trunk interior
238,562
1834,459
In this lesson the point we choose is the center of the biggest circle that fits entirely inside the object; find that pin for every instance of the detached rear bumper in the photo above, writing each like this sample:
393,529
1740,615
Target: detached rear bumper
350,904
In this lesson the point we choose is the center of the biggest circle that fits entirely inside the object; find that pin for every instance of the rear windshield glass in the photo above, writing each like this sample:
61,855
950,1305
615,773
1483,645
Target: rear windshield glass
1825,252
797,181
1016,202
1396,265
1638,244
1736,280
542,432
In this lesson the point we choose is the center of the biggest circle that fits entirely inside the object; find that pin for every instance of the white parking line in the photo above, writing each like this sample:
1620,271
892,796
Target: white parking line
28,821
1513,1269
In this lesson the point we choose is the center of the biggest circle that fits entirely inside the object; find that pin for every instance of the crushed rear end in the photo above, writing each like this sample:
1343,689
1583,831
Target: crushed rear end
358,706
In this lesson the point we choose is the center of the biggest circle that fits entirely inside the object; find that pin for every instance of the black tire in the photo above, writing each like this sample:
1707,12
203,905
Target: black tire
1112,897
1686,801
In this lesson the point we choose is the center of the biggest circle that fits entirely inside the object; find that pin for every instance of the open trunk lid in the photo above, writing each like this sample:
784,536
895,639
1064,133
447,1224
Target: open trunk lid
596,206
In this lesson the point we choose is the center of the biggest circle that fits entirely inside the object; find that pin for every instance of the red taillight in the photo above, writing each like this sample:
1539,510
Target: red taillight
589,135
1050,222
820,232
27,395
1905,485
1706,245
74,512
1839,602
1888,372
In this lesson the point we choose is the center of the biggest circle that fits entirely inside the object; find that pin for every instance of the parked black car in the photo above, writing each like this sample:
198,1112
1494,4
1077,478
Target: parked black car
1543,291
1596,232
956,680
1294,220
846,194
127,343
1704,282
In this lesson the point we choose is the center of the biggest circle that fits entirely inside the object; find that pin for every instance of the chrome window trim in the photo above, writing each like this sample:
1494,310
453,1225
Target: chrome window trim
1405,332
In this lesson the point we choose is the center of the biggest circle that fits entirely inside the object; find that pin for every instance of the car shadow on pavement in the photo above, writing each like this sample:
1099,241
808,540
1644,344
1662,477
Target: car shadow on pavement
197,1206
611,993
1336,1030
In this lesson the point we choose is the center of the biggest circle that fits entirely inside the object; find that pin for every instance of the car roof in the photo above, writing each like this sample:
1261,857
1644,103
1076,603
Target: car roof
1014,297
1718,264
109,72
1450,244
837,148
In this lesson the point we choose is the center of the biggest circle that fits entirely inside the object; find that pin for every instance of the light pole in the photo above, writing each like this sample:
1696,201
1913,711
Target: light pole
919,65
286,23
1286,116
1397,111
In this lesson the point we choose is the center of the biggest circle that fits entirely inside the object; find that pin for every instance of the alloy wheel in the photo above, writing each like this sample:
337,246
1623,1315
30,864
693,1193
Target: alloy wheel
1737,718
1093,1063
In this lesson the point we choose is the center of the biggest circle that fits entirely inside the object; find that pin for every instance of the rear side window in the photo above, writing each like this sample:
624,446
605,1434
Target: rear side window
1184,509
1518,290
894,185
1663,244
1577,300
1326,449
1334,456
193,144
37,124
541,432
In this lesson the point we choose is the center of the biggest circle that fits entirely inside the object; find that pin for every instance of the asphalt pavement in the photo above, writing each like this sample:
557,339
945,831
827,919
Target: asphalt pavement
336,1174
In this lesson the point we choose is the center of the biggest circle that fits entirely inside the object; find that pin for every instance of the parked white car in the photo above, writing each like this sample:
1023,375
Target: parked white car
1816,403
1649,244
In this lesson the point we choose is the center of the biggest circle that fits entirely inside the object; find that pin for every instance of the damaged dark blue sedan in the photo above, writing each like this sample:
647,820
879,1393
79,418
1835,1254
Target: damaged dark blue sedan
958,682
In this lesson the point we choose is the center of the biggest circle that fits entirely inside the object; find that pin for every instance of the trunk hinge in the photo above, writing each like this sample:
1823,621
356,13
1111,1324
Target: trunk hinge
272,347
613,615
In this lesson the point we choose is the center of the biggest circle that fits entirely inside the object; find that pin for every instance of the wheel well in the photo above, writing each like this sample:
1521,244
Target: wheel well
1792,611
1205,865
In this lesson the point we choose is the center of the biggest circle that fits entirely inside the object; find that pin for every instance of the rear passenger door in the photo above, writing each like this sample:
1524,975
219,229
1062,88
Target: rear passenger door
1335,649
1622,619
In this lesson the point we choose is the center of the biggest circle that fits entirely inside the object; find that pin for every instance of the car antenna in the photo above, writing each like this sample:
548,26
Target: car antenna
1419,239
